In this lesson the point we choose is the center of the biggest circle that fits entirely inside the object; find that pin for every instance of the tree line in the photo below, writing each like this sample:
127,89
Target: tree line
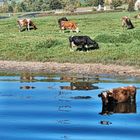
13,6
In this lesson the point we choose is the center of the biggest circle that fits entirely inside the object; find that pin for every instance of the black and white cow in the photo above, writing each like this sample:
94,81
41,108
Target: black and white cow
84,43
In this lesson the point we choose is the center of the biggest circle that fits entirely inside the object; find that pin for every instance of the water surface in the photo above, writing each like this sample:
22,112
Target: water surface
56,107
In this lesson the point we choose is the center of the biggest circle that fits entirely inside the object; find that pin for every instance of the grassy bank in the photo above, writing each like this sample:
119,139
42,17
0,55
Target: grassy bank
47,43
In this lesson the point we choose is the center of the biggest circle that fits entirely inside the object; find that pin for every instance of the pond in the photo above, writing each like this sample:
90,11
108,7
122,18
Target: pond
61,107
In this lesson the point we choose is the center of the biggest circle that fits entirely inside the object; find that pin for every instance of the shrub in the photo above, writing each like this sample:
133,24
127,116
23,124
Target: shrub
131,5
116,3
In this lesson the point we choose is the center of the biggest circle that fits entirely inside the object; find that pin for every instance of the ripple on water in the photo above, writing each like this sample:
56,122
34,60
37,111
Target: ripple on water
69,110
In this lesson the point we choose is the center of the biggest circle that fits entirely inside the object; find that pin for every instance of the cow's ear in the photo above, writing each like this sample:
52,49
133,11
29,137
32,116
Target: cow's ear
109,94
99,95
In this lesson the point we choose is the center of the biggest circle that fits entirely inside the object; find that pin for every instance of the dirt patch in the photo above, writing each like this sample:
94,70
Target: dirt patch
68,68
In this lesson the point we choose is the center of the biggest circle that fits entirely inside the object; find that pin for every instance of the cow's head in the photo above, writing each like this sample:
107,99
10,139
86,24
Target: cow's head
104,96
77,30
107,97
95,45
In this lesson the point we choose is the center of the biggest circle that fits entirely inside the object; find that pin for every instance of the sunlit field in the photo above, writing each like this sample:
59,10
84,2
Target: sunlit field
48,43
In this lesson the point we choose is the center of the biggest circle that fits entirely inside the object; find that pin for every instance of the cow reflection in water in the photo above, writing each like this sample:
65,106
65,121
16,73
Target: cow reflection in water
26,77
80,86
124,107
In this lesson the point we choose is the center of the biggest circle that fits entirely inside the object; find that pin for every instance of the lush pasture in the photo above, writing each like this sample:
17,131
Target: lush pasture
47,43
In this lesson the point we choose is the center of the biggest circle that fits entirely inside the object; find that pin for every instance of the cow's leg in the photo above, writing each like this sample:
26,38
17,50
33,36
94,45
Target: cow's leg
77,30
28,26
72,46
19,27
62,29
84,48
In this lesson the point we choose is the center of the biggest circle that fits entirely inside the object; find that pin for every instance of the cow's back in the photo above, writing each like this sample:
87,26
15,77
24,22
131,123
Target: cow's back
68,25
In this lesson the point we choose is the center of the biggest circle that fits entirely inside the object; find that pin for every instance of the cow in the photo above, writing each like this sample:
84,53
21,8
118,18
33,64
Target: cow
60,20
84,43
137,16
70,25
118,95
26,23
126,22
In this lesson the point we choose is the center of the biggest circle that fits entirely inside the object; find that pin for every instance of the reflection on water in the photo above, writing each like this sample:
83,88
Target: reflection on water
80,86
27,87
81,97
59,107
125,107
105,122
78,83
26,77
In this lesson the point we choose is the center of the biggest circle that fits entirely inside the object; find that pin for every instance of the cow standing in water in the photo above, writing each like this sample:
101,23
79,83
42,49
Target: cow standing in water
118,100
26,23
126,22
119,95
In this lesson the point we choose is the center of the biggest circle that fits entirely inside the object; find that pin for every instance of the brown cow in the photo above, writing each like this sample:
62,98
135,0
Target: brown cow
137,16
70,25
26,23
117,95
126,22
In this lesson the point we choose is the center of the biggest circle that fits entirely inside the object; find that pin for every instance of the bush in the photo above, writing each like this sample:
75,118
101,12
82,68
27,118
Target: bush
47,43
116,3
106,38
131,5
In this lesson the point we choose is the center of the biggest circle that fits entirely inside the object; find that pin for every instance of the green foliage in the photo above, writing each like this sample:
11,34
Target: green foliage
131,4
91,2
116,3
38,5
47,43
55,4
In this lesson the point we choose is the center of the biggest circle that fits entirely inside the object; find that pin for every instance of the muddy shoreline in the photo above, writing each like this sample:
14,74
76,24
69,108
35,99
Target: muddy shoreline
68,68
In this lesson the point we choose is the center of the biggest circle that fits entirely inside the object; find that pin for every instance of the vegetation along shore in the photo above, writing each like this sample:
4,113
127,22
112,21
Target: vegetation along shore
117,46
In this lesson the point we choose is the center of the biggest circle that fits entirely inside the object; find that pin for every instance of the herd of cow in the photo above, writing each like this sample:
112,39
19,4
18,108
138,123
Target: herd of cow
83,43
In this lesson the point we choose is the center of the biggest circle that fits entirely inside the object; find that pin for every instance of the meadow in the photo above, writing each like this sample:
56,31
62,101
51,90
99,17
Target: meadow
47,43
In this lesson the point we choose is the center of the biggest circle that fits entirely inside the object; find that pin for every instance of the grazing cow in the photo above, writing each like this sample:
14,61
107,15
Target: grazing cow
84,43
70,25
26,23
117,95
137,16
60,20
126,22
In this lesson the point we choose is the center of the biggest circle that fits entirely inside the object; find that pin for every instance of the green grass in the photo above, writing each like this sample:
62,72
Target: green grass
47,43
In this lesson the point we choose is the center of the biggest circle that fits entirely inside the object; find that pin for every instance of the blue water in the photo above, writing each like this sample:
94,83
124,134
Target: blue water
54,107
